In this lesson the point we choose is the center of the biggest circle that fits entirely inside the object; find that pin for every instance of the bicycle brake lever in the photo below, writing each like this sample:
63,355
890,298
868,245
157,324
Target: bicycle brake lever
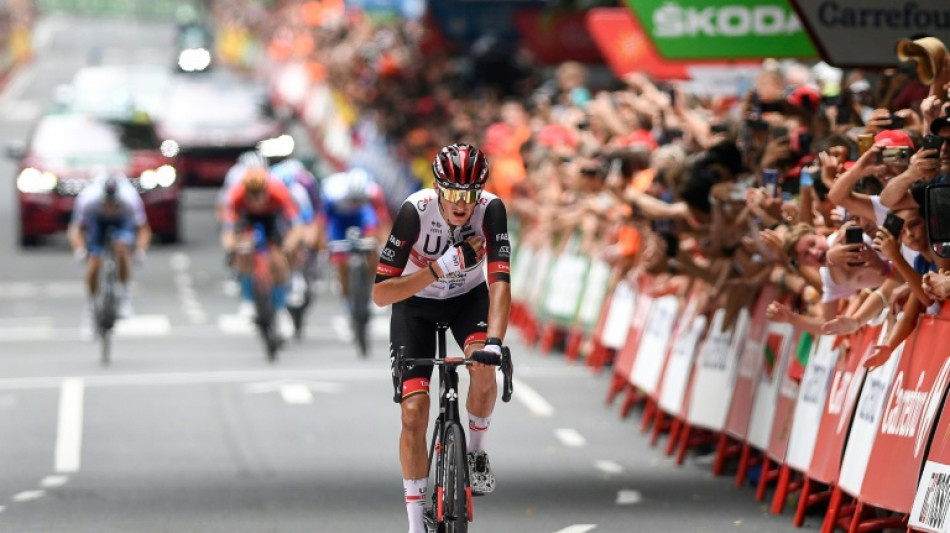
508,370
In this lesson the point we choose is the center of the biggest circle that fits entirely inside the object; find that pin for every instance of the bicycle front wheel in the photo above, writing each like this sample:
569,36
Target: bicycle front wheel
455,501
360,295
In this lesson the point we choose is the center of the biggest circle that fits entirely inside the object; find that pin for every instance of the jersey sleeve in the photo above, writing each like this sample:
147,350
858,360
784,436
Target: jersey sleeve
395,255
281,194
234,199
495,228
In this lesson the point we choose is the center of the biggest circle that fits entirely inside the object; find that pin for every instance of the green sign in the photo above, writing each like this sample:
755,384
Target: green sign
730,29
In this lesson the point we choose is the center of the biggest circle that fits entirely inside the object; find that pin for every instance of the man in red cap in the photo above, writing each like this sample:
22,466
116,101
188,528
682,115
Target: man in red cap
868,208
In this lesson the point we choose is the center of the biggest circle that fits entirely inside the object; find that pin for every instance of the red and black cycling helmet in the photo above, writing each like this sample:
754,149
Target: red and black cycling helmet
460,166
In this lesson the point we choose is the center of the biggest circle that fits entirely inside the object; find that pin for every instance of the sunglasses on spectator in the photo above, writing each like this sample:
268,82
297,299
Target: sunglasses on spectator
470,196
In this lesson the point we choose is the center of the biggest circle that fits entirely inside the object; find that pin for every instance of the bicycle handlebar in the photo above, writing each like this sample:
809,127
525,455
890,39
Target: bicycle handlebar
481,356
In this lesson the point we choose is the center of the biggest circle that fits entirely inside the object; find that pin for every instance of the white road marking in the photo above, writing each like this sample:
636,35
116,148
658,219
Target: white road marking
296,394
570,437
629,497
293,388
360,373
608,467
69,430
577,528
536,404
180,263
28,495
26,328
235,325
54,481
143,326
2,508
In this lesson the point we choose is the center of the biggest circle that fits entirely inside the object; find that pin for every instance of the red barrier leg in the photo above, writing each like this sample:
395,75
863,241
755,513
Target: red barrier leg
599,357
725,449
661,423
650,412
632,398
834,508
684,443
550,335
781,490
856,517
675,427
802,506
743,470
617,384
572,348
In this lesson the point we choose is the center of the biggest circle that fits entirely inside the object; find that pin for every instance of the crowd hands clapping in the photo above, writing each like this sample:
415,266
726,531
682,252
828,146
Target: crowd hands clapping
789,184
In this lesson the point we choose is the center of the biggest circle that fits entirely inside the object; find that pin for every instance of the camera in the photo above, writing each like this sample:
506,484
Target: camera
894,155
897,122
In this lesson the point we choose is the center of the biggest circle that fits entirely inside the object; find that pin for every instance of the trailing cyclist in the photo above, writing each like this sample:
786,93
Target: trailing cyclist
303,188
257,200
431,271
347,201
109,203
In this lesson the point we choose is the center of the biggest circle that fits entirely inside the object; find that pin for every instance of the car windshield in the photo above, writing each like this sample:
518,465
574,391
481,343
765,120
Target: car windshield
61,136
138,135
212,106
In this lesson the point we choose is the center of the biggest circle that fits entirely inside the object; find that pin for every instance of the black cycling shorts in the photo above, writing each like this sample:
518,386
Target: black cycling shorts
413,325
268,222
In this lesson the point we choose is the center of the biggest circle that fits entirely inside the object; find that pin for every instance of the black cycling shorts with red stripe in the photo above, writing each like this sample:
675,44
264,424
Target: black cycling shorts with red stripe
413,325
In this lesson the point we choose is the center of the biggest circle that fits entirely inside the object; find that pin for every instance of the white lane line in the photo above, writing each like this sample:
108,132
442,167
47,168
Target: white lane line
69,431
577,528
180,263
608,467
537,405
570,437
53,481
143,326
235,325
629,497
296,393
28,495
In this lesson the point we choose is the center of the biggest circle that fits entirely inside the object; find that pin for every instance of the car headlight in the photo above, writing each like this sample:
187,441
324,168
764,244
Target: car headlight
163,176
32,180
170,148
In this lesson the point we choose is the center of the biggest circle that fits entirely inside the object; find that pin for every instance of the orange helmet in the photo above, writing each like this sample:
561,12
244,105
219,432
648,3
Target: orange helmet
255,179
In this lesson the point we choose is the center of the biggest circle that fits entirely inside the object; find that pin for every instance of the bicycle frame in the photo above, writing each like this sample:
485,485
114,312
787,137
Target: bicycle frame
263,283
360,285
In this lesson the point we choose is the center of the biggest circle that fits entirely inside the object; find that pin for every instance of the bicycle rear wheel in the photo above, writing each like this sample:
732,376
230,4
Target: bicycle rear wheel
265,320
454,495
107,313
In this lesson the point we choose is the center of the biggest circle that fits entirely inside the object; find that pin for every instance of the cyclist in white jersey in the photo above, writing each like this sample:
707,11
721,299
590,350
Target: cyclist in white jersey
431,270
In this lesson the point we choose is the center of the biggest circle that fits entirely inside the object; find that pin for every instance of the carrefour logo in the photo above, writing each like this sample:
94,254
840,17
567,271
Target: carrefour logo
673,20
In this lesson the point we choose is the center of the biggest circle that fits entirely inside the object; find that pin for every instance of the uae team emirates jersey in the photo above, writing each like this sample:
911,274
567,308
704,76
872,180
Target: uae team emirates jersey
421,235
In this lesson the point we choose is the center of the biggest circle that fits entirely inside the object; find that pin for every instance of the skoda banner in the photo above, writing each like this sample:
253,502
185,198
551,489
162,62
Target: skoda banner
864,33
731,29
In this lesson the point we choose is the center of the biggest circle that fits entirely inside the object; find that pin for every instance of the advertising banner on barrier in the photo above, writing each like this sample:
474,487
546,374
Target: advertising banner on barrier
627,355
776,350
932,499
843,385
715,372
865,423
680,364
751,362
595,292
910,411
811,403
564,288
521,273
863,33
788,388
654,344
537,283
623,304
740,29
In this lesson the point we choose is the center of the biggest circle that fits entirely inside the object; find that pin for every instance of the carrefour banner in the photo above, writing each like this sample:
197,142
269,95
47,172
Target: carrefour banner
733,29
863,33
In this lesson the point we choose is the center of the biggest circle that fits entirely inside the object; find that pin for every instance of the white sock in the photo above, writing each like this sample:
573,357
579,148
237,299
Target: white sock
477,427
415,492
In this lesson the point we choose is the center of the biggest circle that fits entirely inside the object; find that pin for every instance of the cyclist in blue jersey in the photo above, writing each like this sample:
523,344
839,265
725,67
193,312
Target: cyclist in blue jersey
346,201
